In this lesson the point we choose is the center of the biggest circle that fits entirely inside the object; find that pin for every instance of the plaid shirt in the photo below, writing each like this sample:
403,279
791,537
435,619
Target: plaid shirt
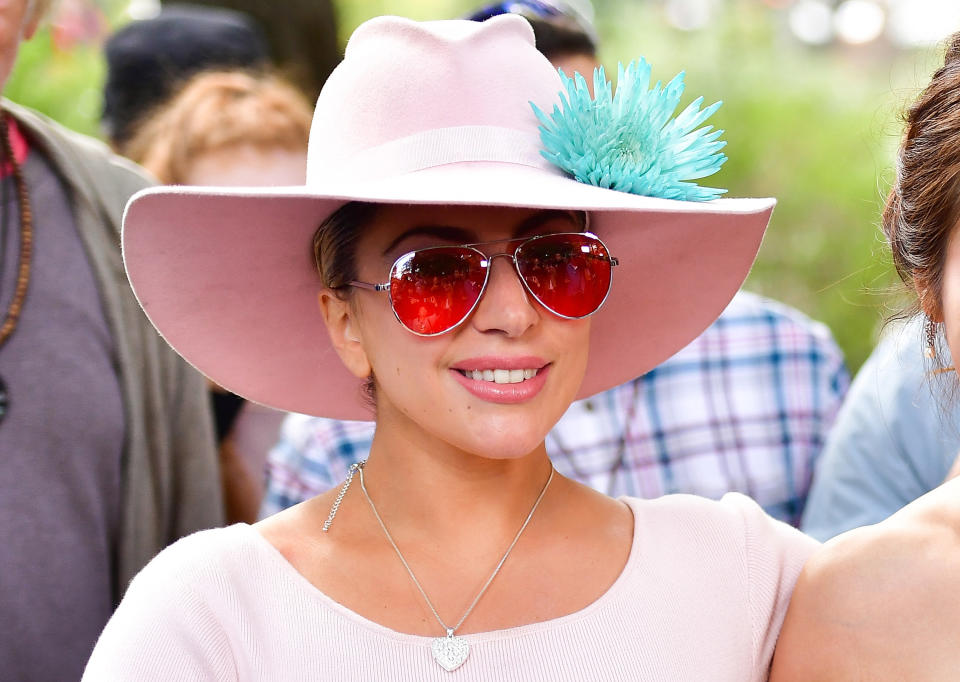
745,407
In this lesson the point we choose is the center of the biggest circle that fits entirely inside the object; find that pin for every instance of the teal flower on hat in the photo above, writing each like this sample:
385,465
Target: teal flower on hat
628,141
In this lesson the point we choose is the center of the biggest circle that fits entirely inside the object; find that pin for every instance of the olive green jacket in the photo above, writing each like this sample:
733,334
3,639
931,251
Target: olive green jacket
170,473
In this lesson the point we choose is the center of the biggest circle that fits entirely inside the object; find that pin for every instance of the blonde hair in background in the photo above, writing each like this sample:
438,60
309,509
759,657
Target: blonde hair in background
216,110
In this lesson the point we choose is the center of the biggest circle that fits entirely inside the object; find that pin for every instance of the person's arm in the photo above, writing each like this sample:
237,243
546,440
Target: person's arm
245,432
242,494
880,603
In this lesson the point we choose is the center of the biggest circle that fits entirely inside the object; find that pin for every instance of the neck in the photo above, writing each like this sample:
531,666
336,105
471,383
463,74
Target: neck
426,487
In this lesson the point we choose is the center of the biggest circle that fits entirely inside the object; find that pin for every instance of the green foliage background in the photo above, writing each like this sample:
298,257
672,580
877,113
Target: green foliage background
817,128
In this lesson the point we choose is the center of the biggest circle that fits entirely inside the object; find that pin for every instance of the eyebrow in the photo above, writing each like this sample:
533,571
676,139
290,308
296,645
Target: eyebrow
534,222
457,235
460,235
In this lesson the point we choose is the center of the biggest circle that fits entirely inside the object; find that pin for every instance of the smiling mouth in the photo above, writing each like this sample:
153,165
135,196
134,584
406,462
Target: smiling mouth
500,376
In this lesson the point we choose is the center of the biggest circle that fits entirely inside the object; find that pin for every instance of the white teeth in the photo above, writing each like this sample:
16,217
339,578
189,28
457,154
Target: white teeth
501,376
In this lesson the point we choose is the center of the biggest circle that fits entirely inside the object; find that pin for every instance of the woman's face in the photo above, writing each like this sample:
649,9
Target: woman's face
425,385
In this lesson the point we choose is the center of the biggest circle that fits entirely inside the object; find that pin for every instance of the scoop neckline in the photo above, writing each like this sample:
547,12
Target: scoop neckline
315,593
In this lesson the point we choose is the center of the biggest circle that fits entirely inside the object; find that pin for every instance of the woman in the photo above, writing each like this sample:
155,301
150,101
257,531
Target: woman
465,286
880,602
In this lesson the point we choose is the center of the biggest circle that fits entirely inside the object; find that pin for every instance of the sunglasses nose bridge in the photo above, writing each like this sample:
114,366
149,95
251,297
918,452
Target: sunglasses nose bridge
501,255
512,257
491,277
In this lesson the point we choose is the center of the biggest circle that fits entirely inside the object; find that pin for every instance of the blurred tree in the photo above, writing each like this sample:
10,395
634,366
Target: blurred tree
302,36
64,85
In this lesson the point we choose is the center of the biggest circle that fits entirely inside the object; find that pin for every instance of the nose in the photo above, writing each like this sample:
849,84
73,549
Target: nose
505,307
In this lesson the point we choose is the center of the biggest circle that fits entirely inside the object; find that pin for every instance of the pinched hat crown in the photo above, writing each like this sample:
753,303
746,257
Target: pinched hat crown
410,95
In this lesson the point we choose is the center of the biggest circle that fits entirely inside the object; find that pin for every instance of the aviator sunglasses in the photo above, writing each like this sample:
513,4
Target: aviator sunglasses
434,290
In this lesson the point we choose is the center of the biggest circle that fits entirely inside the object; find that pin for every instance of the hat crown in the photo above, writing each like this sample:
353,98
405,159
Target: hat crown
401,78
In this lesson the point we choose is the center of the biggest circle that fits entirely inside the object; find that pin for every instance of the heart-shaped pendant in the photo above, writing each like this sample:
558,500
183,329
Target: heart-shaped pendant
450,651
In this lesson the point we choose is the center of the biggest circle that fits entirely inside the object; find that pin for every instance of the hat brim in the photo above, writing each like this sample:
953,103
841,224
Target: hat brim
227,275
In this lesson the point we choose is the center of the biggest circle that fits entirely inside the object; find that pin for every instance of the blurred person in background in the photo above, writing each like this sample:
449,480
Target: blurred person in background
897,435
879,603
148,64
106,442
745,407
149,60
563,29
231,129
302,39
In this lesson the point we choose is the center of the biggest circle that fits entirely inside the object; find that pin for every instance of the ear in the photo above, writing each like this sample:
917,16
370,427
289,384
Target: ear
343,327
929,302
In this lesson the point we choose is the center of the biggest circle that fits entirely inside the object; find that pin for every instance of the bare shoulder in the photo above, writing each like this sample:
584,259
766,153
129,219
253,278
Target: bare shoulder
590,525
297,532
880,602
610,520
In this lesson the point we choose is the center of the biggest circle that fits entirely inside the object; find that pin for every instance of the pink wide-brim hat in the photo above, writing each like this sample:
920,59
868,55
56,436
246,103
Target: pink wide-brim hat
417,113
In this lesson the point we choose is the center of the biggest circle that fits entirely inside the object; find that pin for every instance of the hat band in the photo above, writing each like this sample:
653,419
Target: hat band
436,147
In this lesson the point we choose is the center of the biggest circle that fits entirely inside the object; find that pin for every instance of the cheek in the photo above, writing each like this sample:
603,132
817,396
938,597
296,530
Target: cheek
400,360
570,341
380,333
580,341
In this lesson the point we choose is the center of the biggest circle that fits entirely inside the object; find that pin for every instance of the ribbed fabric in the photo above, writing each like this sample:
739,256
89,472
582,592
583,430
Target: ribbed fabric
702,597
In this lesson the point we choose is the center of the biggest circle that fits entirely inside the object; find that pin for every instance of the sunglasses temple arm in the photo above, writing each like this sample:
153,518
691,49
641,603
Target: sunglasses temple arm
372,287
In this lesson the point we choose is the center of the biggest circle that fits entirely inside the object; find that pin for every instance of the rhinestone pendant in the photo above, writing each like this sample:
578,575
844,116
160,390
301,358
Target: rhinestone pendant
450,651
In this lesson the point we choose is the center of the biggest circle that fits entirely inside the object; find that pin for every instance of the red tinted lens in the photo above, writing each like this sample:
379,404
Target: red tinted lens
568,273
433,290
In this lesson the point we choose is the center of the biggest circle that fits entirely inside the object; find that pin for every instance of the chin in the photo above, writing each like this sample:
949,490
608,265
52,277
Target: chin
504,452
513,440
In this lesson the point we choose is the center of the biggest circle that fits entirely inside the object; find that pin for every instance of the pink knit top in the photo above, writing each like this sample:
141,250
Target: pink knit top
702,597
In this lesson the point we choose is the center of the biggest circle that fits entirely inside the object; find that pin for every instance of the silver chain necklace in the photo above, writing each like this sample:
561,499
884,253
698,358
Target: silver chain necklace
450,651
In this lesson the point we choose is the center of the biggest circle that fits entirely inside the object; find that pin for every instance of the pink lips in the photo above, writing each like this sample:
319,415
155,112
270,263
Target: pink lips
503,393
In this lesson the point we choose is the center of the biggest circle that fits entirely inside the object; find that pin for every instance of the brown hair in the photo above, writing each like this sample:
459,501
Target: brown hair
335,254
217,110
335,245
924,203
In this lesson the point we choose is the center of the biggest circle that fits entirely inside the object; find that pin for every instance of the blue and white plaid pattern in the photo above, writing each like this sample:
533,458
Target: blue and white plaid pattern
745,407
